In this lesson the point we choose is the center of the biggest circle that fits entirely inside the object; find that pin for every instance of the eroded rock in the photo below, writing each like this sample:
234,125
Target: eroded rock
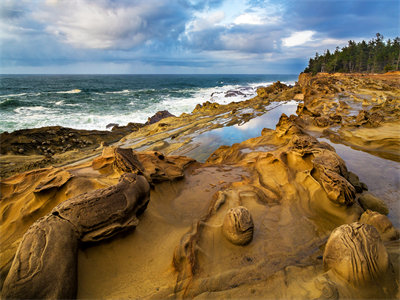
382,223
355,253
152,164
370,201
45,265
238,226
103,213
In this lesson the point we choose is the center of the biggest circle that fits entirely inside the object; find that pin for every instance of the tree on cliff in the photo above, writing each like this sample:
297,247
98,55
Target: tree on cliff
377,55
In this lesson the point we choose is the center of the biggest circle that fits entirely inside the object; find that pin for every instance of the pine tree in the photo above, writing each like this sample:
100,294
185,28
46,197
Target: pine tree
374,56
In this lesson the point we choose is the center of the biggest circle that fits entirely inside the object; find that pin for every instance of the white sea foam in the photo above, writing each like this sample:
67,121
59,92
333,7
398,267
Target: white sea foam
74,91
23,110
119,92
38,116
217,94
13,95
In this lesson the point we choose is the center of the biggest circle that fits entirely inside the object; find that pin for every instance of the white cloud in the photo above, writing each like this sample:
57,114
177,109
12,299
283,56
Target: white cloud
101,24
298,38
204,21
249,18
257,18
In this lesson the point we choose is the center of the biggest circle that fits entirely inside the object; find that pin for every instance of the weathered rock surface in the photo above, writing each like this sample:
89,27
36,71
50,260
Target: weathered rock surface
45,265
28,149
365,107
152,164
285,194
370,201
382,223
28,196
355,252
275,88
295,188
238,226
359,262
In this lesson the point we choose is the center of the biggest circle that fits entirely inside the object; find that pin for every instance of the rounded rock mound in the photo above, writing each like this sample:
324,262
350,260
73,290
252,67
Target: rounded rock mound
356,253
238,226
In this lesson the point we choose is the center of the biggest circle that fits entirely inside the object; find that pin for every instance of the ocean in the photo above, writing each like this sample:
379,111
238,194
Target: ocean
94,101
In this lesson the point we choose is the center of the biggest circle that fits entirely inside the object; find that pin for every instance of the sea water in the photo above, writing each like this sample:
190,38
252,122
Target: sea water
94,101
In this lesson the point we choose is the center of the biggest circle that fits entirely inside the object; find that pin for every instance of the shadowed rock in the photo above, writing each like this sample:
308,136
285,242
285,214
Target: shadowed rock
151,164
238,226
158,116
45,265
126,160
338,189
369,201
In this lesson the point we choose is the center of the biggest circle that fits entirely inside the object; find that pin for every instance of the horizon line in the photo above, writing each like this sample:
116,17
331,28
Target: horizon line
108,74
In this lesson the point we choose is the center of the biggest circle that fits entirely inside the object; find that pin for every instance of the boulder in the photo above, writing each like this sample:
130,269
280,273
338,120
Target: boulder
370,201
382,223
238,226
356,254
158,116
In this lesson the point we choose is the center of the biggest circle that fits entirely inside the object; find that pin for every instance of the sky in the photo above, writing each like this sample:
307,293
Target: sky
182,36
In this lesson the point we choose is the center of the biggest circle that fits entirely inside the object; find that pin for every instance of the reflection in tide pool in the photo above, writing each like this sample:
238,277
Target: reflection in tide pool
382,176
209,141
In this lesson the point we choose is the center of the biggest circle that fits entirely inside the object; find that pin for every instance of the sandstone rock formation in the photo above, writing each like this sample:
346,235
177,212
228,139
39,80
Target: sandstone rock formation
28,196
294,186
45,265
238,226
370,201
358,259
356,253
382,223
295,190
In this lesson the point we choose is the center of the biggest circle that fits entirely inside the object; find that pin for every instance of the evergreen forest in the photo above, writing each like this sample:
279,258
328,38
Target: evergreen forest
375,56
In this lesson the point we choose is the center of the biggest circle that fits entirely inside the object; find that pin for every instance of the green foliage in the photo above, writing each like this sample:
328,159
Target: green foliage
374,56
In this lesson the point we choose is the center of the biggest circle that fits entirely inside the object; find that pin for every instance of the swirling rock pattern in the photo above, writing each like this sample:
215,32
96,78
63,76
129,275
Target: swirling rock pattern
45,265
103,213
355,252
238,226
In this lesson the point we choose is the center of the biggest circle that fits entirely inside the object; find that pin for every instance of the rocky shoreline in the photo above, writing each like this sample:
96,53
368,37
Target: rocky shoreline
278,216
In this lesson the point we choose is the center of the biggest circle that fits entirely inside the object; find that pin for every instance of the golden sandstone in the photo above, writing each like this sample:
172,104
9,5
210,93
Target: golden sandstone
275,216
